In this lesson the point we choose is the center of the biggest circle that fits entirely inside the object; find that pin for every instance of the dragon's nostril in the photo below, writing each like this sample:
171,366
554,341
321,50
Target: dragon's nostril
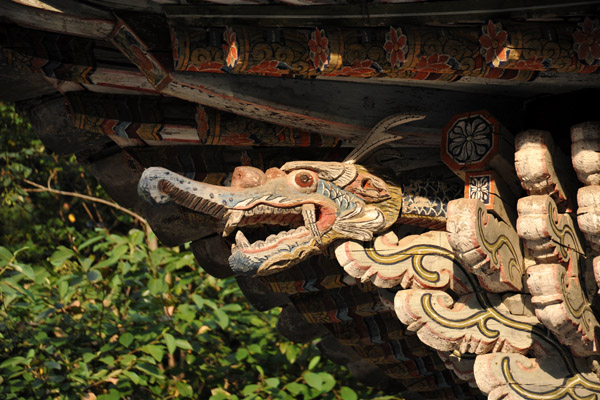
247,177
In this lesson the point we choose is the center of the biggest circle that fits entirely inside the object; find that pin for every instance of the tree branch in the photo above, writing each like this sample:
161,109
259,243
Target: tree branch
137,217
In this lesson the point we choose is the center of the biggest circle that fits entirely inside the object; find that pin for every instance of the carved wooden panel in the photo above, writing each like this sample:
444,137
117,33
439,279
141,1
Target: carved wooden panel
536,163
486,246
418,261
555,283
465,325
517,377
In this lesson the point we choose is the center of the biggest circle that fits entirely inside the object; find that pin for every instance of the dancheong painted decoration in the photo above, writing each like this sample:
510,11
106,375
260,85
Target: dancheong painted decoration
415,182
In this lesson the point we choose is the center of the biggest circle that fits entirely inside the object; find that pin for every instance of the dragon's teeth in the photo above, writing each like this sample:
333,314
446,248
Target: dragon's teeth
310,221
241,241
233,220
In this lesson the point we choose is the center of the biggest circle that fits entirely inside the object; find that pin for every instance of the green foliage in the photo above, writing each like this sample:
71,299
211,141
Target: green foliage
90,312
111,317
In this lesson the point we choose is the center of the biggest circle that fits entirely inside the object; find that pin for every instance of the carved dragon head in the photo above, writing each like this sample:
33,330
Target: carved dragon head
319,201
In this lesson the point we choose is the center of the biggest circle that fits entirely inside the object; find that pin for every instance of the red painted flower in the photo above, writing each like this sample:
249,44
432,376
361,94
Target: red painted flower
270,68
534,64
395,47
230,48
359,68
319,49
438,63
494,44
587,41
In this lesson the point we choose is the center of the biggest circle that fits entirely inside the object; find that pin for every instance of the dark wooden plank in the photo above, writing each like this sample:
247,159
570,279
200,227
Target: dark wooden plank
443,12
62,16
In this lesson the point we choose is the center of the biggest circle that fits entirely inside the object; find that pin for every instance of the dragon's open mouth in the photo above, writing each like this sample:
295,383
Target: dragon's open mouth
307,223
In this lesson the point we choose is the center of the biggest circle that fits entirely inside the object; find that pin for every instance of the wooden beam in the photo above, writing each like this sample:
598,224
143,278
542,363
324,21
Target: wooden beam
370,15
64,16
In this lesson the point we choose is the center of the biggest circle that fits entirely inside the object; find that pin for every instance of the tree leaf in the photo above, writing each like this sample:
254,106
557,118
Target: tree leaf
222,318
329,382
25,270
184,389
5,256
61,255
126,339
183,344
150,369
272,382
313,363
156,286
154,350
295,388
135,378
170,342
313,380
348,394
13,361
94,275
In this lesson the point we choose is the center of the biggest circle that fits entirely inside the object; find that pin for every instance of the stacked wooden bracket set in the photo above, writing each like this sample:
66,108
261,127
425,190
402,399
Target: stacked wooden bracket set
417,183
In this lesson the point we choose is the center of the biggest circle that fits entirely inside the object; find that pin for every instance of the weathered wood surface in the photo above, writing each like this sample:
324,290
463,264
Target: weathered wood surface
464,324
63,16
517,377
438,12
540,167
487,247
585,151
555,282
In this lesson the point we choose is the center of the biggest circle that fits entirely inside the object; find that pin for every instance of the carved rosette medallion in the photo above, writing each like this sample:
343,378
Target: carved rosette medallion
480,188
470,140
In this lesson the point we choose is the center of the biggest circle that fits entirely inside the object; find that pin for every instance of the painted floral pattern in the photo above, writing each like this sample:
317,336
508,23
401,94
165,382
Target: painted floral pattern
535,64
270,68
438,63
214,67
359,68
470,139
395,47
587,41
479,188
494,44
319,49
230,48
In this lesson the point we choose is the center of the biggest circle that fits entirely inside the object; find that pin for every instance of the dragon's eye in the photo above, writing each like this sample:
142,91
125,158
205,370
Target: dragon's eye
304,180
